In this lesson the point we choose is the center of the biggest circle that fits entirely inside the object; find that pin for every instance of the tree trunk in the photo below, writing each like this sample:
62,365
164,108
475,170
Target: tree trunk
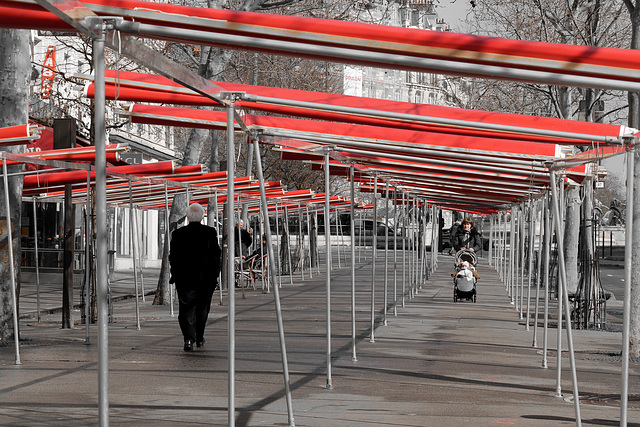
178,211
14,92
571,237
213,65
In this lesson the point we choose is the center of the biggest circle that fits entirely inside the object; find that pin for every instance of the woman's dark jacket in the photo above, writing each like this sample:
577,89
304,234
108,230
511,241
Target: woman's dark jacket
467,239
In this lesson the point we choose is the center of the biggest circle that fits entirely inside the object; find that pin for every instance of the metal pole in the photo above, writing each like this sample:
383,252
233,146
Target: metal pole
404,241
538,277
278,247
354,358
373,262
490,254
309,235
168,237
230,262
288,247
88,260
276,291
102,274
386,254
562,273
14,304
35,240
523,241
133,255
395,253
327,238
301,242
547,250
532,239
338,240
628,256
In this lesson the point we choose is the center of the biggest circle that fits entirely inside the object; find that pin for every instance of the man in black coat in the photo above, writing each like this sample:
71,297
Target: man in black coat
194,256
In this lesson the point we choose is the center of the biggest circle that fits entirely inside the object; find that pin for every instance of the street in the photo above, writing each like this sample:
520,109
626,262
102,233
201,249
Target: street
612,279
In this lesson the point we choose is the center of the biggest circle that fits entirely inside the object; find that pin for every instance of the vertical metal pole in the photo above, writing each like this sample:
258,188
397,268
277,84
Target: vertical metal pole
168,237
132,235
538,276
490,254
547,250
522,241
354,358
88,260
309,235
373,262
278,247
102,274
512,247
35,240
628,254
327,235
140,243
405,235
338,240
395,252
288,247
562,273
230,262
411,245
276,291
14,304
532,240
386,254
360,240
301,242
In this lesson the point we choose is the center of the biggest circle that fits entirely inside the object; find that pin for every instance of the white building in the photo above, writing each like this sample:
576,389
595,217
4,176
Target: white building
423,88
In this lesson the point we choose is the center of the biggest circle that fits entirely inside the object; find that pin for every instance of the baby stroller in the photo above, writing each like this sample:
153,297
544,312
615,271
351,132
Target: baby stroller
465,276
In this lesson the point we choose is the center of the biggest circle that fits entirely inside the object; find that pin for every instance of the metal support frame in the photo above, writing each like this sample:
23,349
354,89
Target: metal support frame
134,258
628,257
374,256
102,273
327,235
35,241
231,260
354,357
563,281
276,291
14,303
386,254
547,252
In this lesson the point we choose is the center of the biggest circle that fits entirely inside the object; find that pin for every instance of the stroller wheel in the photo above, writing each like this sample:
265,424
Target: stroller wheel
474,297
455,296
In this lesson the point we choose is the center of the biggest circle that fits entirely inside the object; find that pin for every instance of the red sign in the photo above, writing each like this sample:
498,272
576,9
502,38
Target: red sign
48,70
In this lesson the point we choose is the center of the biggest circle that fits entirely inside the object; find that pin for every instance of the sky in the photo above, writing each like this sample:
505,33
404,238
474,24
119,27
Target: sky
453,11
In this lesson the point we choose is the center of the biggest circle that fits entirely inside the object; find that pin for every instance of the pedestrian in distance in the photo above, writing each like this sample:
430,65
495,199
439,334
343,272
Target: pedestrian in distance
467,237
243,240
194,256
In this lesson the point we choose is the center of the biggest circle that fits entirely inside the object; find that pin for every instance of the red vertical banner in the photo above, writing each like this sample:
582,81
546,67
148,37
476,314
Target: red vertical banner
48,70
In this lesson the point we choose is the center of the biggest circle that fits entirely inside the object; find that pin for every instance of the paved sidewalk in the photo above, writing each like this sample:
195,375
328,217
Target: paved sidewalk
435,363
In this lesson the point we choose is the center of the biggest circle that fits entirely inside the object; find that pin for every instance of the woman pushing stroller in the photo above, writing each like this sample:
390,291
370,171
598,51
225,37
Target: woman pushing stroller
467,237
466,242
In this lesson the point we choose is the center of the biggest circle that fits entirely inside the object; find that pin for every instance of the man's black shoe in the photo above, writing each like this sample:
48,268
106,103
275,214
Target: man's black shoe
188,345
200,343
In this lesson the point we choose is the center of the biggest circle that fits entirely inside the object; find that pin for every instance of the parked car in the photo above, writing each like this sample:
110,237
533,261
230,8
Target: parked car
363,233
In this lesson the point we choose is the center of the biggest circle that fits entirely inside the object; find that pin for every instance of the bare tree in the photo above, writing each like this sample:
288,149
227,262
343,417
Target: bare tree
633,6
594,23
14,94
211,63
